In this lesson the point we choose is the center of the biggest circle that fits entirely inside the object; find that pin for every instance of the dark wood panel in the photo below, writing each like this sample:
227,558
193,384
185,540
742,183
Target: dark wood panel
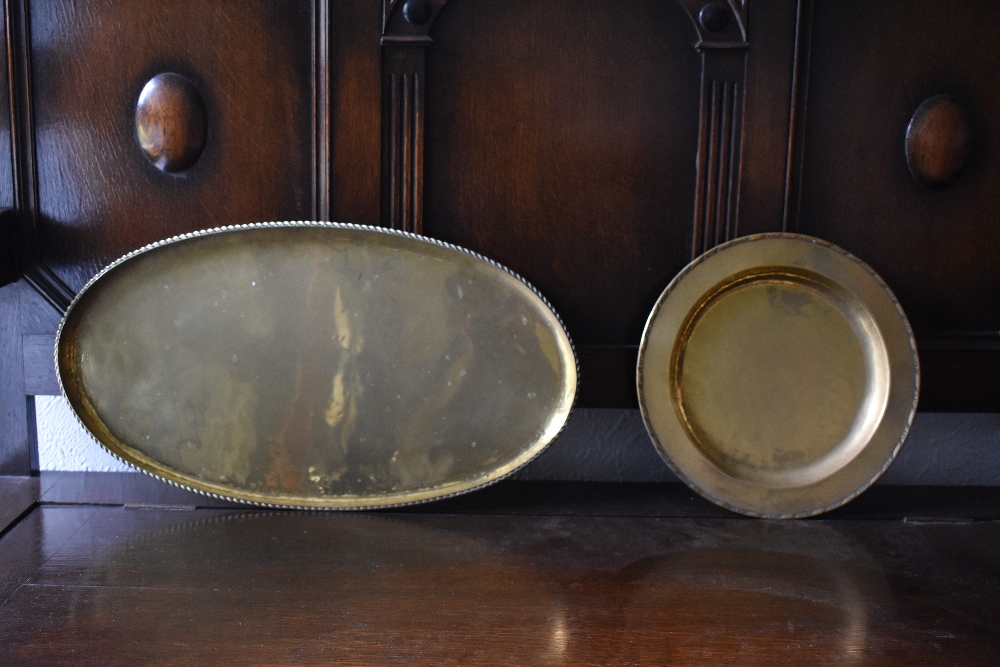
120,488
38,316
960,380
10,238
769,68
607,376
871,66
561,140
17,496
10,248
6,148
15,441
155,587
355,111
513,497
39,365
251,62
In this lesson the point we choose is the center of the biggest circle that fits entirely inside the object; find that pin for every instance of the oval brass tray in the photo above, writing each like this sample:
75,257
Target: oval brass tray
316,365
777,375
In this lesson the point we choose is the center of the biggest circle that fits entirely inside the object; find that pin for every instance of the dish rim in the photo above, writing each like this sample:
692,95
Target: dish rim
664,449
571,393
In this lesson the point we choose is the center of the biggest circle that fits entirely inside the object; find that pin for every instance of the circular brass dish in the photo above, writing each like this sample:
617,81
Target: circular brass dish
778,375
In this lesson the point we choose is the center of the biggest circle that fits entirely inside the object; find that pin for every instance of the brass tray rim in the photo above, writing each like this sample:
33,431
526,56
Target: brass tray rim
429,497
902,319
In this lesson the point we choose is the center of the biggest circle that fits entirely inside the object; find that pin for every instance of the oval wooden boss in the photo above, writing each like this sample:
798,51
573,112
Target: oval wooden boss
316,365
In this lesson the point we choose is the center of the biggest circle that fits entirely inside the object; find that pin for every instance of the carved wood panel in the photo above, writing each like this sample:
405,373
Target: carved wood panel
532,154
935,243
593,146
544,154
259,69
406,27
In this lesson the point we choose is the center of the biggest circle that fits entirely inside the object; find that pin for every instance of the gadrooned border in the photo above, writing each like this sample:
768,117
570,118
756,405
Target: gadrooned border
642,352
327,225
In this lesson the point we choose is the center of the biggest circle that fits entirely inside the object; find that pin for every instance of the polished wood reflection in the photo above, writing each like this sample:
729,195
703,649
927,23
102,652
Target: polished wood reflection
123,586
17,496
170,122
938,141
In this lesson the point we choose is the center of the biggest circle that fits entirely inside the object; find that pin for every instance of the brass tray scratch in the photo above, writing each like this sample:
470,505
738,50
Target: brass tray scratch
778,375
316,365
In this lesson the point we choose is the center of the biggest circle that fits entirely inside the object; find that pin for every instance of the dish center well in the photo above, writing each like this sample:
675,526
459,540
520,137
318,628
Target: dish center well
780,376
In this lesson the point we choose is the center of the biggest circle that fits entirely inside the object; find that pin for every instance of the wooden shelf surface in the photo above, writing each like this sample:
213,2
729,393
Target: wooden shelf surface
524,573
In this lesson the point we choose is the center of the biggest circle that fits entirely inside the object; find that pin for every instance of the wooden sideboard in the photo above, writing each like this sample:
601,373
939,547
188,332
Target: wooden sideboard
111,569
595,148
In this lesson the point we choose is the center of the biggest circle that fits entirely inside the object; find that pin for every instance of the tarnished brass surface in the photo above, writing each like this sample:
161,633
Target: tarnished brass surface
316,365
778,375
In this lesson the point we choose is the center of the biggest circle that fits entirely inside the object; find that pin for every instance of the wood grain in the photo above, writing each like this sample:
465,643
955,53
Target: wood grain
170,122
39,365
560,140
6,149
17,496
38,316
157,587
355,110
767,116
99,197
870,67
938,140
15,441
10,237
23,548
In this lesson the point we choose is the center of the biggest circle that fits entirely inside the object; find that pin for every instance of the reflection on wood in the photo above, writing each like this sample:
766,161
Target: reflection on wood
166,587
